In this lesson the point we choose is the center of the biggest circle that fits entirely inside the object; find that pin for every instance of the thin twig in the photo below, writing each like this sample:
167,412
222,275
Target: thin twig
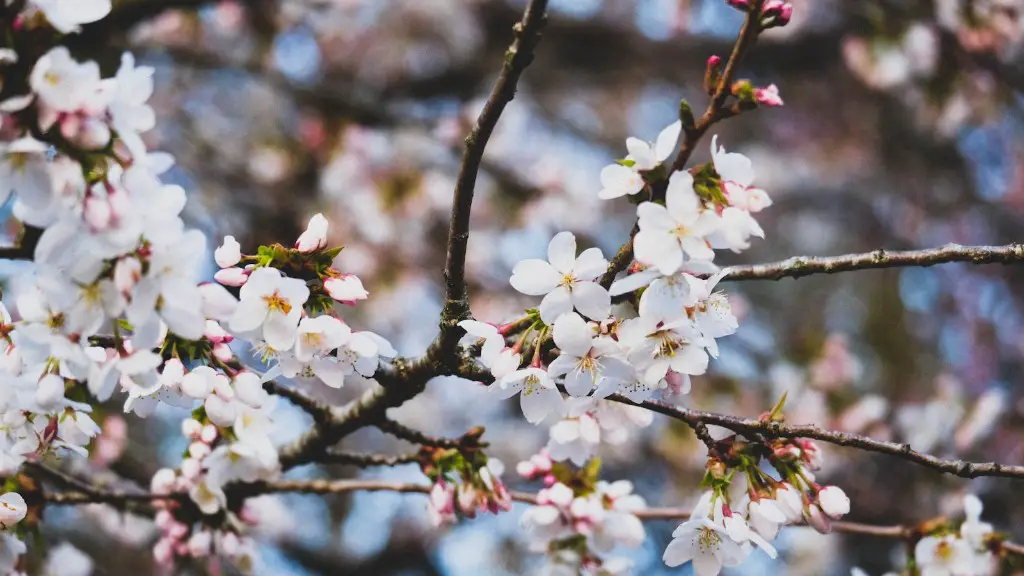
517,58
771,429
320,411
399,430
369,460
799,266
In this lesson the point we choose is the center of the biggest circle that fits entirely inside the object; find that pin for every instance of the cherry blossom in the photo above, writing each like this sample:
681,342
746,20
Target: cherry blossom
669,234
272,302
586,361
314,237
538,396
565,280
68,15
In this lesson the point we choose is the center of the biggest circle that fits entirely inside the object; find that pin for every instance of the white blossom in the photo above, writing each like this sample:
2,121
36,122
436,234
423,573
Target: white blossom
565,281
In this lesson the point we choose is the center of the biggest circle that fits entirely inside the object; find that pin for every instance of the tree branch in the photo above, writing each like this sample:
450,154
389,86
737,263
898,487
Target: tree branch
320,411
369,460
799,266
346,486
399,430
779,430
517,58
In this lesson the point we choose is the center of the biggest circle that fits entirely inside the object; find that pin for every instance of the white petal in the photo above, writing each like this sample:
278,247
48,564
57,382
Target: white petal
658,249
535,277
556,303
572,335
592,300
667,140
562,252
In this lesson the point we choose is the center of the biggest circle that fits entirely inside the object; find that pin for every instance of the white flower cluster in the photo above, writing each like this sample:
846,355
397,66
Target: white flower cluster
12,510
961,553
113,301
746,508
579,532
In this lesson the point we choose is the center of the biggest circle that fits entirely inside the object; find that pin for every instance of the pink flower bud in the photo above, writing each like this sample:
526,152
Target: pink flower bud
163,520
199,450
191,468
199,544
181,549
315,236
163,552
817,519
467,496
163,481
222,352
739,4
714,60
526,469
93,134
127,273
346,289
768,96
209,434
834,502
177,530
232,276
541,461
191,428
229,253
229,544
97,212
216,333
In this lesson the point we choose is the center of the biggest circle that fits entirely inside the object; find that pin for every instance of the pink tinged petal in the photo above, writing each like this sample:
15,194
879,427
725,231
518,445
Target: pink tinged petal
229,253
618,181
658,249
279,330
572,334
262,282
535,277
654,217
231,276
315,236
590,264
218,303
667,140
562,252
556,303
641,153
682,202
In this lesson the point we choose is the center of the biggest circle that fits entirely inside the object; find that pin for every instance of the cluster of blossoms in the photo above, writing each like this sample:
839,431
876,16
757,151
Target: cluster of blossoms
12,510
465,482
579,527
114,303
744,507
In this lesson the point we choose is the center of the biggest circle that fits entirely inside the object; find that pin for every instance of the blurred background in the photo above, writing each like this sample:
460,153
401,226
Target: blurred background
902,129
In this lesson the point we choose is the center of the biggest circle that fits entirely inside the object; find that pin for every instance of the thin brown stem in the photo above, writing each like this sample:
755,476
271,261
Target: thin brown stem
517,58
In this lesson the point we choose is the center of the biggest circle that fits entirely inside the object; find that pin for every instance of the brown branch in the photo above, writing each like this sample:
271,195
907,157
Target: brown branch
25,247
346,486
799,266
320,411
904,451
369,460
517,58
402,431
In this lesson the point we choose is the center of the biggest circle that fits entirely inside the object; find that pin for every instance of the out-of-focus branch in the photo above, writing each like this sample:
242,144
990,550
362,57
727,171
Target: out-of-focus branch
798,266
25,247
517,58
369,460
347,486
399,430
320,411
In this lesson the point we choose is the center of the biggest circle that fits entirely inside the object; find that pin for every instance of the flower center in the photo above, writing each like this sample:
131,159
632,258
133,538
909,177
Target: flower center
313,339
587,364
530,384
276,302
944,551
52,79
708,539
568,280
670,342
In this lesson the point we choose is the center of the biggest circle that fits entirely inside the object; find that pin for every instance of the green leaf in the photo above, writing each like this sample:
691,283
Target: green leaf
626,163
776,413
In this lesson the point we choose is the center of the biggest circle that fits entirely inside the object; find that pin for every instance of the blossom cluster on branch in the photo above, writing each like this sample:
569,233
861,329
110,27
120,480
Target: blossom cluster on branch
114,309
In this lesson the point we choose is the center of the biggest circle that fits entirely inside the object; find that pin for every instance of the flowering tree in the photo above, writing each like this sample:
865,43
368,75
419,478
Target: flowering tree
113,309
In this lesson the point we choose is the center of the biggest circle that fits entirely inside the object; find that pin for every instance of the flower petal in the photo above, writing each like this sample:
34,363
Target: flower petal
562,252
534,277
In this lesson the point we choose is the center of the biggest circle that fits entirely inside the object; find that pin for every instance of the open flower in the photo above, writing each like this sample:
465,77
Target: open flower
618,180
703,542
585,360
566,281
538,396
669,234
273,302
12,509
943,556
